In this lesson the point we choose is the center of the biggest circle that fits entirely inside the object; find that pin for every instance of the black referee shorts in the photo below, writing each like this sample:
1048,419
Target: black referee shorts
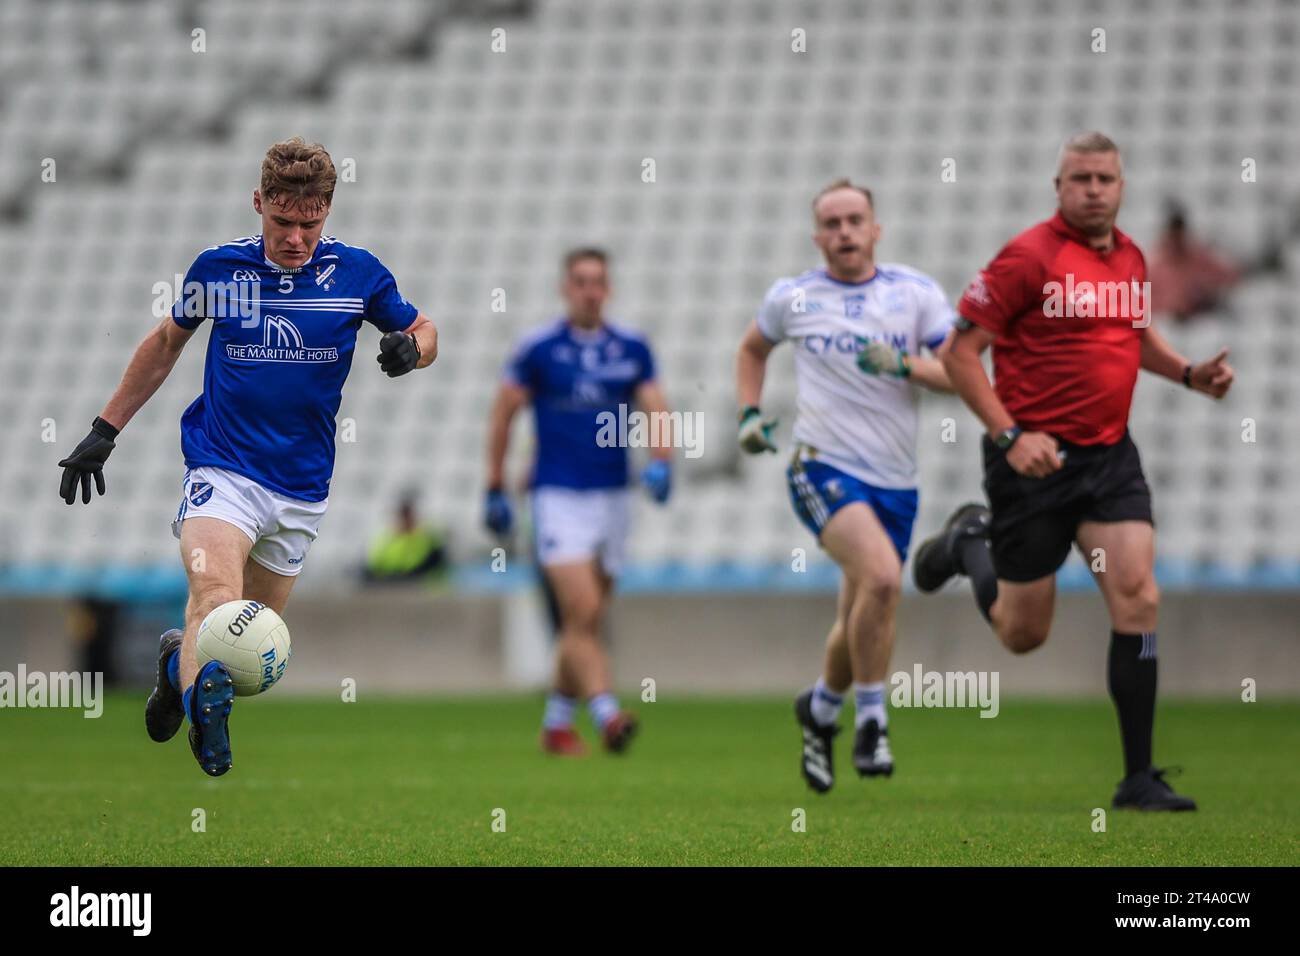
1035,519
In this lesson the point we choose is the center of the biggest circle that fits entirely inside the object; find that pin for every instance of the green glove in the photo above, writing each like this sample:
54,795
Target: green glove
755,431
877,358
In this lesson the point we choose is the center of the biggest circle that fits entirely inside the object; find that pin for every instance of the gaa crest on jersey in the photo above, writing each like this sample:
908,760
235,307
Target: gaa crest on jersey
200,492
855,305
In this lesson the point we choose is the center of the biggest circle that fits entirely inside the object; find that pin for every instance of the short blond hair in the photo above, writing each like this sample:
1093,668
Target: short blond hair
842,183
296,172
1090,142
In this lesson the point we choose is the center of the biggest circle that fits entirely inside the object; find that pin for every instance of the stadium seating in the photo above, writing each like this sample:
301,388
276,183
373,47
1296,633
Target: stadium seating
475,170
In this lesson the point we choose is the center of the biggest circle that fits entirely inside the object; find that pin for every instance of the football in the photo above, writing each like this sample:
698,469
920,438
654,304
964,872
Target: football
250,639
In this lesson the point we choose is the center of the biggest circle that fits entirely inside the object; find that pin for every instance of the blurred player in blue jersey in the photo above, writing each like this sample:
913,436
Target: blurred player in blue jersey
576,372
858,329
285,308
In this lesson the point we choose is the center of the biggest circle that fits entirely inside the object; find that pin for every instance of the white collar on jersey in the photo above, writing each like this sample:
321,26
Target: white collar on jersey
587,336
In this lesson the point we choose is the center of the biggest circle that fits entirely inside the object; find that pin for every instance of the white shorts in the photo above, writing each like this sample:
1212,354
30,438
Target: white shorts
577,524
281,528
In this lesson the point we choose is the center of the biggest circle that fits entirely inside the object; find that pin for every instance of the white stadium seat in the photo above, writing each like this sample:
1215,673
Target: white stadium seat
475,170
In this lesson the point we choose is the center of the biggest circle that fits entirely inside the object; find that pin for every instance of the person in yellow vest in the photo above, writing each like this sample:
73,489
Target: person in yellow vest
407,551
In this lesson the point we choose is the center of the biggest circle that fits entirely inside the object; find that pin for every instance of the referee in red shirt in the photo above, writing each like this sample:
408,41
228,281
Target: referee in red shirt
1062,305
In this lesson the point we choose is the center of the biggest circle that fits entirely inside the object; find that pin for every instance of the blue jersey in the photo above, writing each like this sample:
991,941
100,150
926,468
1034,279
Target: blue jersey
573,377
279,352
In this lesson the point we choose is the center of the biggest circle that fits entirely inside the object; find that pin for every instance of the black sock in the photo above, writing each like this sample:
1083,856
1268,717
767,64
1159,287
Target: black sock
975,560
1131,677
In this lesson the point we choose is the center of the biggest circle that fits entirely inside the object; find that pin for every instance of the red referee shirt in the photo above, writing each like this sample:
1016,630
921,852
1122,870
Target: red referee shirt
1069,322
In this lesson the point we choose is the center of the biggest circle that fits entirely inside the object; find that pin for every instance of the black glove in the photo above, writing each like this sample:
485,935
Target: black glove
398,353
87,459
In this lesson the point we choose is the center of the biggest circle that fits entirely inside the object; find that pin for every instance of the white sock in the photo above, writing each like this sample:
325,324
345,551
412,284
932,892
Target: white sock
602,707
870,702
559,711
825,703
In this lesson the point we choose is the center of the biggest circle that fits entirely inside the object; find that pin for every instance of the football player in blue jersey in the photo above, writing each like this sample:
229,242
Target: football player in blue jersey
580,373
857,328
285,308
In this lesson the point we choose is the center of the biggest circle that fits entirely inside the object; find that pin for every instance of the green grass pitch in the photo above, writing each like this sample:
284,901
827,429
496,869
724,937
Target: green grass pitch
709,781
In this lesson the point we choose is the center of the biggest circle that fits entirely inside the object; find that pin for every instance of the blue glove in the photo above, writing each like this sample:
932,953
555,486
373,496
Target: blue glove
497,515
658,479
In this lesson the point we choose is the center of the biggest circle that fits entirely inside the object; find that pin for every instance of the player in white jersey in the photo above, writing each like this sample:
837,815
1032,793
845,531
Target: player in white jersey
858,329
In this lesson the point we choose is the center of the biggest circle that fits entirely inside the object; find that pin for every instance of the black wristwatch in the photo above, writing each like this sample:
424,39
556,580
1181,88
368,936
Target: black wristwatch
1187,375
1006,439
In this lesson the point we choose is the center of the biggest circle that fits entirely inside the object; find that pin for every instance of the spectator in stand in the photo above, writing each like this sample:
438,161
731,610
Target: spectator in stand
408,551
1187,277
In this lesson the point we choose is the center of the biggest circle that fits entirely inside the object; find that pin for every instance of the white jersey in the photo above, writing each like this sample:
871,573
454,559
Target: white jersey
862,424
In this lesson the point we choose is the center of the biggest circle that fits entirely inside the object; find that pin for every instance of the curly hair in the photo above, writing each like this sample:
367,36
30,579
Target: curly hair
298,173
